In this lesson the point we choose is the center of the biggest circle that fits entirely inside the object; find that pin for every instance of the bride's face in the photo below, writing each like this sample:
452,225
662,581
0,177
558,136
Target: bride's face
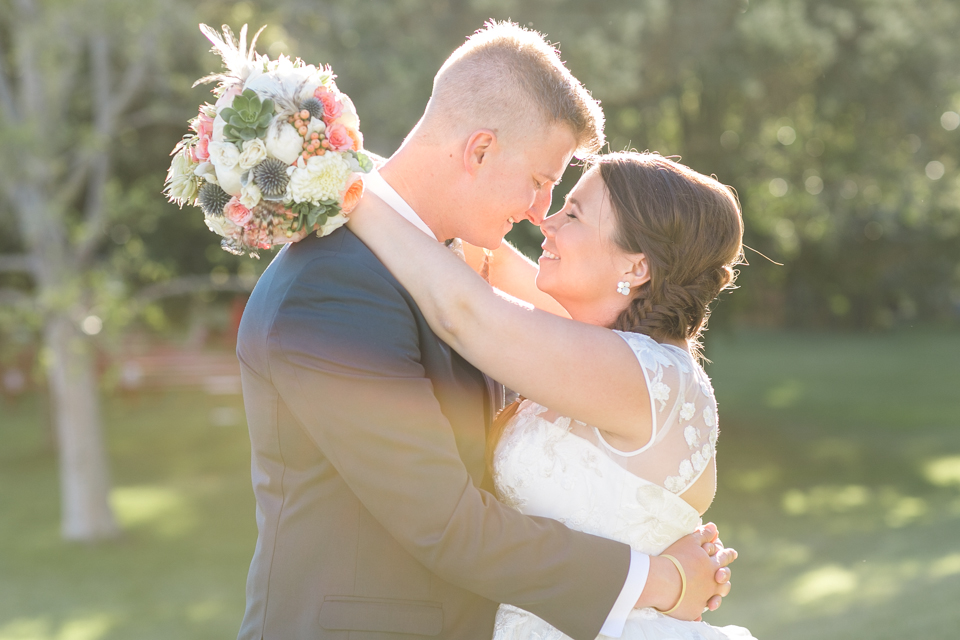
581,264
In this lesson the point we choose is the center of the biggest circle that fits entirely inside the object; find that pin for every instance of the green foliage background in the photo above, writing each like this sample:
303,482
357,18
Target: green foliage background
827,117
842,101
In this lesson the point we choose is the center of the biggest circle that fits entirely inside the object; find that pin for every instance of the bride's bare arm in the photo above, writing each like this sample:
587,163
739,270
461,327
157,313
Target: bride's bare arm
513,273
580,370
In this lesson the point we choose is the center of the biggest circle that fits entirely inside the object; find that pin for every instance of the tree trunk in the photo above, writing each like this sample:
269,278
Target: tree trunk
84,470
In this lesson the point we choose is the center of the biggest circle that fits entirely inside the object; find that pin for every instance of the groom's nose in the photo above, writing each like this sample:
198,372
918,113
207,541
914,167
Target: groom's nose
541,205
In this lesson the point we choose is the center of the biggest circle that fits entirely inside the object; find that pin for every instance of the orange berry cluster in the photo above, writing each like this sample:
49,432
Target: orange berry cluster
314,145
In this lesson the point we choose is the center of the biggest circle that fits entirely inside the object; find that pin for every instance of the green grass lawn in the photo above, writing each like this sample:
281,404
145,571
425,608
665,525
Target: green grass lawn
182,494
839,485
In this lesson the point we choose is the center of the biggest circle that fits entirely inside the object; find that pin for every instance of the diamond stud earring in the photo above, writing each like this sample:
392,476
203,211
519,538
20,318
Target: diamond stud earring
623,288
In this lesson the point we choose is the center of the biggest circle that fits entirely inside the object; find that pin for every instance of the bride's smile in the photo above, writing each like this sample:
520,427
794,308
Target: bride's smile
548,256
585,280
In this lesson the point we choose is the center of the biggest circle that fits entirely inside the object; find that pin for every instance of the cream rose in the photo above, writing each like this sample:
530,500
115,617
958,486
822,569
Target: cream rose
206,171
284,142
332,224
254,151
315,126
229,179
222,226
250,195
224,155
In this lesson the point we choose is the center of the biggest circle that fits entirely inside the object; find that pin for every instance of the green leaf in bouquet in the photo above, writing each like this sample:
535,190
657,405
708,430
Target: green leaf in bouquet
248,118
364,160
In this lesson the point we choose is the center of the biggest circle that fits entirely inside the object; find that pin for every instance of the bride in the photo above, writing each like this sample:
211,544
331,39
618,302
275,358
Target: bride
616,430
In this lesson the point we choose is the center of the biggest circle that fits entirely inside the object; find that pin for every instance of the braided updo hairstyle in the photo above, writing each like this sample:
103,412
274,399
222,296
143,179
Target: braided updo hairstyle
688,226
690,229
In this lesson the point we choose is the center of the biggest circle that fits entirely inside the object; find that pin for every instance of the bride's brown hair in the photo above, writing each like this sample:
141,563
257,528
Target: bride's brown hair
689,227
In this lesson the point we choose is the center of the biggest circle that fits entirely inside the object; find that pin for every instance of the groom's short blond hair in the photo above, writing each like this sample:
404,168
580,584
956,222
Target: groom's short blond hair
511,80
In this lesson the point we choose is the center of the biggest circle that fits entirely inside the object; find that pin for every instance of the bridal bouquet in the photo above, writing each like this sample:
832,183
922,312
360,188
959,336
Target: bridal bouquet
279,155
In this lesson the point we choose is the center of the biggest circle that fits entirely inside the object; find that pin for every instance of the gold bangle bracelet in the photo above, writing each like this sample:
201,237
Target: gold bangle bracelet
683,584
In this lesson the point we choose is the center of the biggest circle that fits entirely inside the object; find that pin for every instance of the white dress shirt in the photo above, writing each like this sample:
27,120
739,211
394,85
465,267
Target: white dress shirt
639,562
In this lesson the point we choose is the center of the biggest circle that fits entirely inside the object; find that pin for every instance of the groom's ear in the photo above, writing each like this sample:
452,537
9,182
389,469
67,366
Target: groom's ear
480,143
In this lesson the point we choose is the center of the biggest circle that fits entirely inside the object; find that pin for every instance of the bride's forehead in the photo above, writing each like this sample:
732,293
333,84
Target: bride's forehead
589,190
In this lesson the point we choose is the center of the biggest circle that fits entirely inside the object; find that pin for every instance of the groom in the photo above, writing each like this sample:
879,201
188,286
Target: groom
367,432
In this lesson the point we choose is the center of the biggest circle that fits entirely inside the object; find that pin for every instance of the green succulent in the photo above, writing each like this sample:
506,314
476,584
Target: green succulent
248,118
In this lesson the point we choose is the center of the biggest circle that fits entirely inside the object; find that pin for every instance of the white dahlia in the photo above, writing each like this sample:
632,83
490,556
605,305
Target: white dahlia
319,178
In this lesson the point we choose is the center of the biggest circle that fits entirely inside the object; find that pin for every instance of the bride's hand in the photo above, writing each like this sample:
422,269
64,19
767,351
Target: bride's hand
704,560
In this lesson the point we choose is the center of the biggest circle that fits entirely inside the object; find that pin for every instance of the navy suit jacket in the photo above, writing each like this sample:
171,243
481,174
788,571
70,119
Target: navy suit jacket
367,437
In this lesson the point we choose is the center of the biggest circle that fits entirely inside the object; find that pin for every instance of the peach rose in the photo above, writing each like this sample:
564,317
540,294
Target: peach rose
351,197
236,212
339,137
357,138
331,106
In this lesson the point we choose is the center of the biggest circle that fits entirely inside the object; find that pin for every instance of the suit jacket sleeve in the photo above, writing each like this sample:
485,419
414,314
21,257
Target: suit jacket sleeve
345,356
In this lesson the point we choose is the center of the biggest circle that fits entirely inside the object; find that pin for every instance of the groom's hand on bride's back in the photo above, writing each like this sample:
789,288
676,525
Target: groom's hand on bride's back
704,560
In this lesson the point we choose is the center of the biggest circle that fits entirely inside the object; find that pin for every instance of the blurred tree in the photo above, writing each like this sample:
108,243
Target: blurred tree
73,81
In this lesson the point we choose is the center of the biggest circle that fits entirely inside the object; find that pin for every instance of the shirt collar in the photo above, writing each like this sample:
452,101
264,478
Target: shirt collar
379,187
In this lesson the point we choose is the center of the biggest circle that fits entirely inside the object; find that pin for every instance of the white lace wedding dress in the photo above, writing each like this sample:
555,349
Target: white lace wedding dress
563,469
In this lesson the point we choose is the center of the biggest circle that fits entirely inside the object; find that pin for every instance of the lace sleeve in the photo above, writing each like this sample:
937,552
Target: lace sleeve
683,414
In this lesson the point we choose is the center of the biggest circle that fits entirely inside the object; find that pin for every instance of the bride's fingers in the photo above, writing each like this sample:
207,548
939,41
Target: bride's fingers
708,532
723,575
725,556
723,590
714,603
710,548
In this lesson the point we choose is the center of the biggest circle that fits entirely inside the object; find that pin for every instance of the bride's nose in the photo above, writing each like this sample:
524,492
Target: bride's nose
549,226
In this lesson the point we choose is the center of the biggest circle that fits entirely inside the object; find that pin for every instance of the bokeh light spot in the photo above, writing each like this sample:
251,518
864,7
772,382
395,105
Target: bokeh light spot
814,185
779,187
91,325
786,135
729,140
935,170
950,120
